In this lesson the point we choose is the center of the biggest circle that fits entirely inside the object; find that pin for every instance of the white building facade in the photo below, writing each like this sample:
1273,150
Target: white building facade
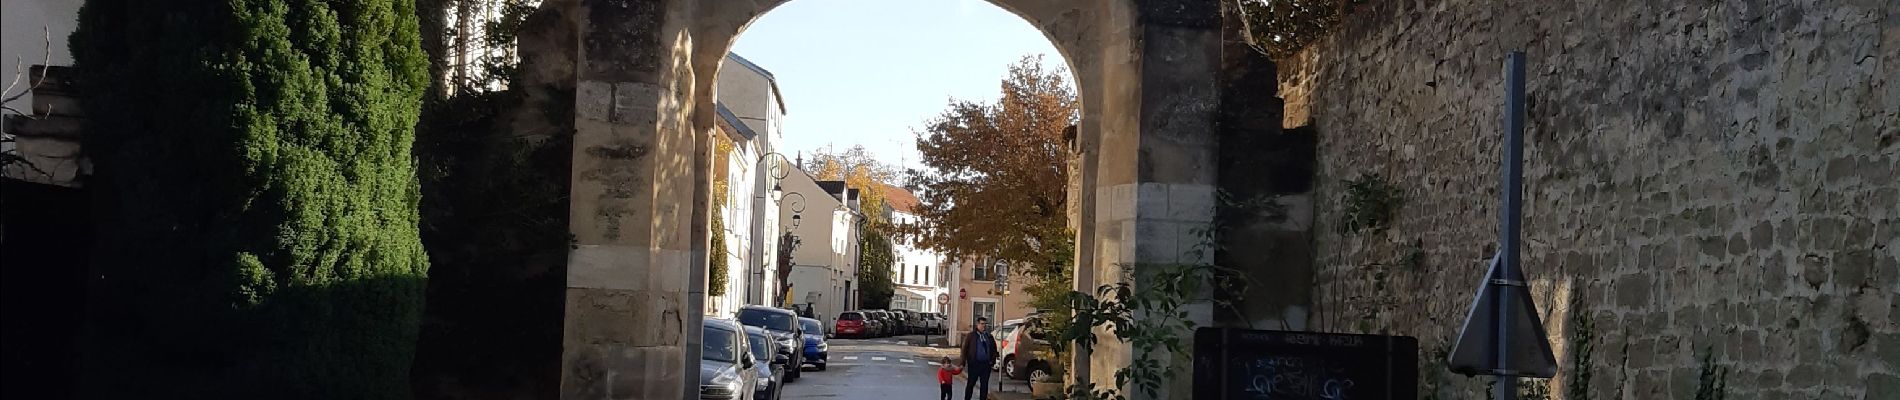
920,275
825,262
751,112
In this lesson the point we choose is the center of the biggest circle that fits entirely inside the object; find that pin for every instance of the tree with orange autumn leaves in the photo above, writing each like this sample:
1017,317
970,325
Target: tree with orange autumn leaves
859,170
995,189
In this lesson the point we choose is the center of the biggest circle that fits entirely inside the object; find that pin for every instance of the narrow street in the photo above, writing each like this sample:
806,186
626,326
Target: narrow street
884,369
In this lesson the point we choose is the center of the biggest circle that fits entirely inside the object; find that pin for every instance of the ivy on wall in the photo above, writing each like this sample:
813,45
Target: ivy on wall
494,221
257,200
716,275
1282,28
1370,204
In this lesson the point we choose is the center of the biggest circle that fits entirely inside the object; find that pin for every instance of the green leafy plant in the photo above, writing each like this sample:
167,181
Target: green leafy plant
1371,204
716,279
258,197
876,260
1152,319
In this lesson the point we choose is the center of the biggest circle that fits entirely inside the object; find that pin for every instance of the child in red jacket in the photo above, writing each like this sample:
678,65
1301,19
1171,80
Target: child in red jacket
944,371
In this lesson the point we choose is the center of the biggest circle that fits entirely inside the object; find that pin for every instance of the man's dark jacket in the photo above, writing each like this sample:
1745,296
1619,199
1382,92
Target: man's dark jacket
970,342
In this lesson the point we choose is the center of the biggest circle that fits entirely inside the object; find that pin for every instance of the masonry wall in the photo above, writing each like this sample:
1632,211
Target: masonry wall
1712,188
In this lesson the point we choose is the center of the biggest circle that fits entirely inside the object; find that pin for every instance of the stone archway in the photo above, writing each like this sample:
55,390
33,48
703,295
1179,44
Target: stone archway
641,75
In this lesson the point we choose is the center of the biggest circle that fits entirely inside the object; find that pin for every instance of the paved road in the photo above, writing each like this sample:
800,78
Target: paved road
876,369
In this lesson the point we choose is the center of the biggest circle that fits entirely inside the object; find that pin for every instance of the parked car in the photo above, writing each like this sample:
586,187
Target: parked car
817,349
942,323
902,320
1019,345
853,324
892,326
883,327
771,375
725,362
932,324
783,325
920,323
1005,334
896,318
896,322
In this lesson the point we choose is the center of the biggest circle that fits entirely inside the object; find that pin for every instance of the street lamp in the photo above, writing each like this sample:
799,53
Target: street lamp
776,172
788,241
797,205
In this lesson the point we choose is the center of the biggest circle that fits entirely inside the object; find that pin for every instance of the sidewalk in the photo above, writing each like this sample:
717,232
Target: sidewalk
937,341
1000,388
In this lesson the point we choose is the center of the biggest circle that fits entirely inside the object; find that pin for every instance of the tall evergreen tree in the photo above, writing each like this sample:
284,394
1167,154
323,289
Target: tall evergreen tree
876,257
256,197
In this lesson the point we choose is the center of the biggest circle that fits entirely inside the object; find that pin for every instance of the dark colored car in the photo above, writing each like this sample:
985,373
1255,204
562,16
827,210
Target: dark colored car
879,327
771,376
903,321
852,324
920,323
817,349
877,323
886,327
1022,359
725,362
783,326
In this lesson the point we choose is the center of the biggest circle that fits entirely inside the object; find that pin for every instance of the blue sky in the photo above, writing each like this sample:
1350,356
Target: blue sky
870,72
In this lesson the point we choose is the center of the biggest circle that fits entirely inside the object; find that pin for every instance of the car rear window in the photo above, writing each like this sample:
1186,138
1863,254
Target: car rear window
851,316
767,319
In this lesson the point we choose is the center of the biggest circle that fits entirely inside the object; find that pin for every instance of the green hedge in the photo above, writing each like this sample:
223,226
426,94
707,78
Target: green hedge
257,197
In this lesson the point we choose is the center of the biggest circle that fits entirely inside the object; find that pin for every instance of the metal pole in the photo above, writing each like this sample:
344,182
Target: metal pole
1513,197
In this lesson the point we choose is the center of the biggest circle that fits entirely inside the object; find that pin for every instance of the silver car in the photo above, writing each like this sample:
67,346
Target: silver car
726,365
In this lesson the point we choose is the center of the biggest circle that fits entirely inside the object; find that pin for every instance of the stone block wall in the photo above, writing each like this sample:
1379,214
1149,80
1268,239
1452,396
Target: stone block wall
1712,188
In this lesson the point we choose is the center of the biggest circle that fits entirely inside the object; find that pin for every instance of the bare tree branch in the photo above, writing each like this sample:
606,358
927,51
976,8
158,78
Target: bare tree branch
46,56
10,157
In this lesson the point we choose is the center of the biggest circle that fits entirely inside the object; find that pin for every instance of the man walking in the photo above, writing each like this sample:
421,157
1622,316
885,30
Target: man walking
979,356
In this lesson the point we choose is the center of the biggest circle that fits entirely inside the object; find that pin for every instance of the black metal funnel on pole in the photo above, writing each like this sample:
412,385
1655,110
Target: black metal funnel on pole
1502,334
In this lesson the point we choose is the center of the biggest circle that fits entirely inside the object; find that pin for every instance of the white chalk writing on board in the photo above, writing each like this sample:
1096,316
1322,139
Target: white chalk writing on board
1294,378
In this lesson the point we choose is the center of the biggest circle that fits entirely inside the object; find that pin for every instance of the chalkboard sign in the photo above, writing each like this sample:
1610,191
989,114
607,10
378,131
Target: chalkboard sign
1236,364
